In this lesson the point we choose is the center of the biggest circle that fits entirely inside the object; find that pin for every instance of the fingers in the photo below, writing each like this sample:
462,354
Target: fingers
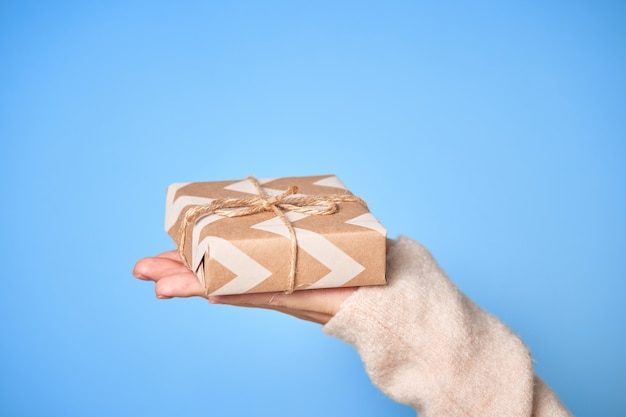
155,268
171,254
172,278
179,285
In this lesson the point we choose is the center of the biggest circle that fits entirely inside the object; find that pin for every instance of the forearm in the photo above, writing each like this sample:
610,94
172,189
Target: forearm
427,345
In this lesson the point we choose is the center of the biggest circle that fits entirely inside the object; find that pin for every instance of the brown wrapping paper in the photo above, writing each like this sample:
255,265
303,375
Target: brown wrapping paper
251,253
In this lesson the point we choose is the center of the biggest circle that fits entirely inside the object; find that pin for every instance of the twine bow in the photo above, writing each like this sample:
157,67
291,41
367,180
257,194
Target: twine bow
287,201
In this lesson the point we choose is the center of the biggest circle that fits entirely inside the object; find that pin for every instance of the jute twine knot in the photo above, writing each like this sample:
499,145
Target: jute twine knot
244,206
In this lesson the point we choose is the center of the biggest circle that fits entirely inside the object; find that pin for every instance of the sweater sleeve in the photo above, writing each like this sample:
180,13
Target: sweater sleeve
425,344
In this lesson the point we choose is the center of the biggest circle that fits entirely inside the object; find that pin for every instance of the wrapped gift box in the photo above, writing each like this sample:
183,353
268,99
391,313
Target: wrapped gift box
247,245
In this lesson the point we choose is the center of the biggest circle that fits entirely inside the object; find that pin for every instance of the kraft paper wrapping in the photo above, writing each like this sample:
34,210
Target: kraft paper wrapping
251,253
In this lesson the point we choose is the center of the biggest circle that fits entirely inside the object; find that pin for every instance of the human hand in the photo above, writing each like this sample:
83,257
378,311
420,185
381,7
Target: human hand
173,279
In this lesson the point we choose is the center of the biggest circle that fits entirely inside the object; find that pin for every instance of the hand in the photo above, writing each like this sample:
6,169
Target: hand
173,279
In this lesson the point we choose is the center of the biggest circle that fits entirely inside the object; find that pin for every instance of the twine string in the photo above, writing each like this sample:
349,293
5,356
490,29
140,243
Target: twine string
320,205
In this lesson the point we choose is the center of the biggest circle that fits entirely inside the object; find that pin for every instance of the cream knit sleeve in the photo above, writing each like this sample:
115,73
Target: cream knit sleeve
425,344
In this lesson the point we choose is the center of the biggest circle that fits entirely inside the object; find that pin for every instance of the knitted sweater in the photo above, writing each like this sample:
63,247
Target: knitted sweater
425,344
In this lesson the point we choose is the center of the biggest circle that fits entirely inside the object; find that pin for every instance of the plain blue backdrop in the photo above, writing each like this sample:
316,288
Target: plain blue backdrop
493,132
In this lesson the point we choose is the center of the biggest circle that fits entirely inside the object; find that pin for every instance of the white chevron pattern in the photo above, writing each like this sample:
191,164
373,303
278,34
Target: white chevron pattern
246,186
331,181
249,272
201,247
175,207
368,220
342,267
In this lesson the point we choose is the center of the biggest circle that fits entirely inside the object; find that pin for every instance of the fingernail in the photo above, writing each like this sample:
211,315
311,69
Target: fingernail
138,274
214,300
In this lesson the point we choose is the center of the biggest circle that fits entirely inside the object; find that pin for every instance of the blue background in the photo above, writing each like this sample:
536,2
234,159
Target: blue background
493,133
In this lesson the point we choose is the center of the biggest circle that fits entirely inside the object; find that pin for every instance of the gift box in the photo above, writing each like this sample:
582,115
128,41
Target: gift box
275,234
